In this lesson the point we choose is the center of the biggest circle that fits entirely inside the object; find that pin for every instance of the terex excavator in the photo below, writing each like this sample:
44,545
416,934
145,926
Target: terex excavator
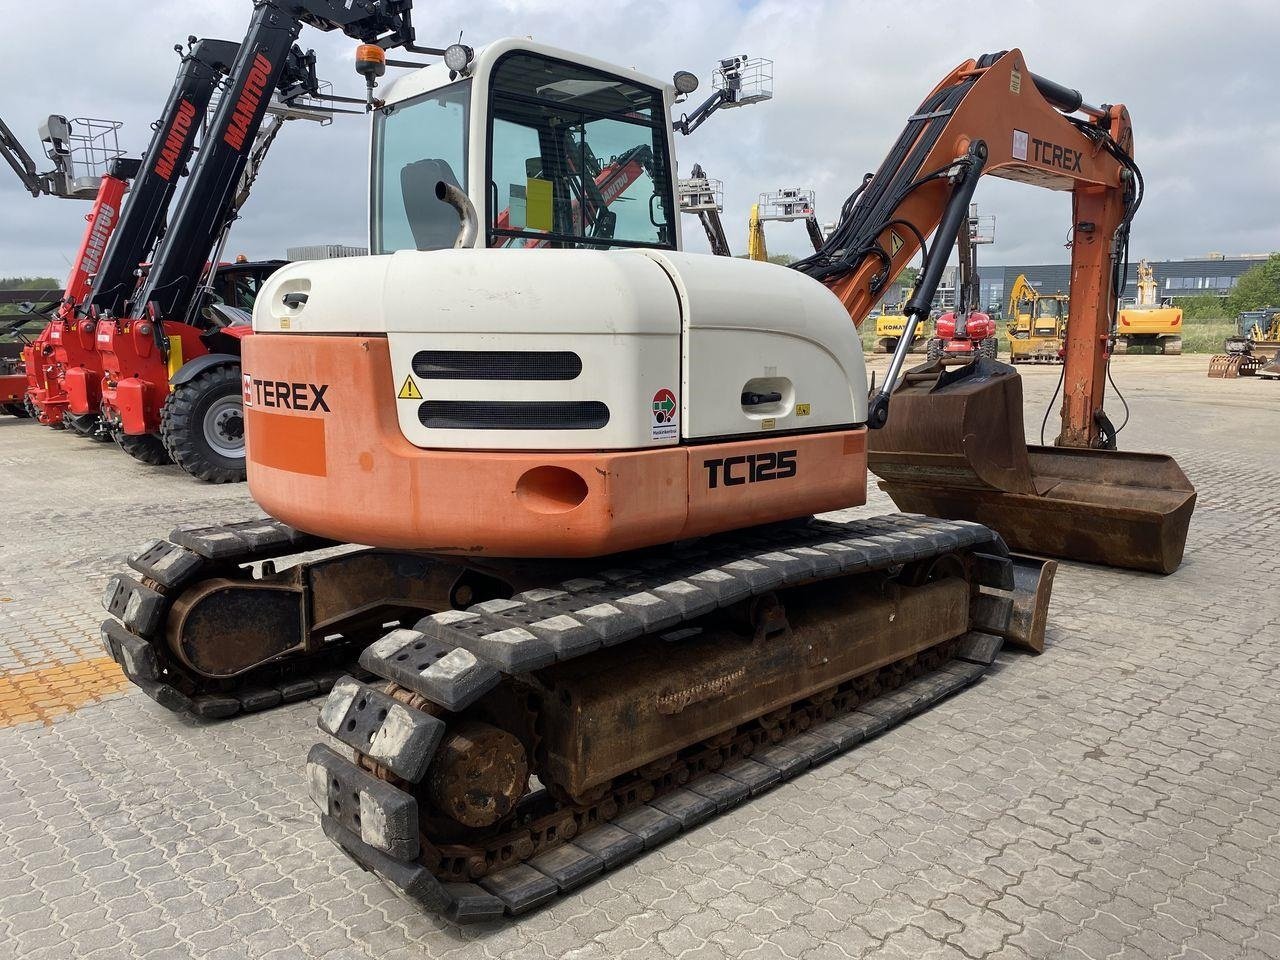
587,475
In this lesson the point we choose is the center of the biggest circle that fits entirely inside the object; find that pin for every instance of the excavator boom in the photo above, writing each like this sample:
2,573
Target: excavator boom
955,445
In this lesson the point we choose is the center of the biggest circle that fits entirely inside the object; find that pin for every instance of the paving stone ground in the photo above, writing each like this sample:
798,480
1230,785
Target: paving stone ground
1118,796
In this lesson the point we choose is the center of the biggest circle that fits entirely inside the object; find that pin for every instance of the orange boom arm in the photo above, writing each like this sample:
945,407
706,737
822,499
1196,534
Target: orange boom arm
1024,123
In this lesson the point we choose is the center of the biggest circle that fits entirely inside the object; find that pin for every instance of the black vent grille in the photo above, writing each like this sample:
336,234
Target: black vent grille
513,415
497,364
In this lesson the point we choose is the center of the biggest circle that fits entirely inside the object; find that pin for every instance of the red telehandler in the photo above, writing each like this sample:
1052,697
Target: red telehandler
87,164
62,369
171,386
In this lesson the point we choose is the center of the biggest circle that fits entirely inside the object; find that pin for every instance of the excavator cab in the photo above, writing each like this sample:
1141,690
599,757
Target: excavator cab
550,153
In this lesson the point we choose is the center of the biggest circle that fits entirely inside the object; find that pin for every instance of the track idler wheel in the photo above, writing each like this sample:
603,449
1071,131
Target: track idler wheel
478,774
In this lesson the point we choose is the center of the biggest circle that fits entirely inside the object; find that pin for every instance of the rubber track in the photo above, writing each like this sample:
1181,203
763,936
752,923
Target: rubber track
470,654
139,602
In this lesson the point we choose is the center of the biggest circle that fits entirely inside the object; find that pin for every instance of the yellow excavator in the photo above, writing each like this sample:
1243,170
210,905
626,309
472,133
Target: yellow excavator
890,324
1149,322
1037,323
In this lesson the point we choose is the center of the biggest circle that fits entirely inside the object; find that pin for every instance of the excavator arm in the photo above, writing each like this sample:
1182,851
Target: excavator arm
1026,127
955,446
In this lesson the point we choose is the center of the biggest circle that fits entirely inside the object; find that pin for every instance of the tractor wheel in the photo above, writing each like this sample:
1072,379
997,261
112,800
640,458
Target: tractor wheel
145,448
16,410
1171,346
29,405
202,423
987,348
933,351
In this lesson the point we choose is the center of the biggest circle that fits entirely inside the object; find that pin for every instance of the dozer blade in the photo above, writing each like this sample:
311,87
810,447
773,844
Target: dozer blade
954,448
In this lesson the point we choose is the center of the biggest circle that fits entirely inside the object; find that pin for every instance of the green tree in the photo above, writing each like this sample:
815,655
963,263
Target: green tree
25,283
1257,287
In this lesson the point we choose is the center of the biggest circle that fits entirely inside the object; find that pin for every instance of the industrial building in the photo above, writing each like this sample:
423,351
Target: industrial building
1211,275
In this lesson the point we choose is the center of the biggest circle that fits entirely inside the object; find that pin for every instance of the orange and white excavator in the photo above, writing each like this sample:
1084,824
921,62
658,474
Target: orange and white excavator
593,597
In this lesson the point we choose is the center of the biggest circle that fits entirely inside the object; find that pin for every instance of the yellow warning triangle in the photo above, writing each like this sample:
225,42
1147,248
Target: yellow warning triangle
409,391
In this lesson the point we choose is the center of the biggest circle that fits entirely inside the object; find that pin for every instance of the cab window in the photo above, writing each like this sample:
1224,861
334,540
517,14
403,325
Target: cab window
578,158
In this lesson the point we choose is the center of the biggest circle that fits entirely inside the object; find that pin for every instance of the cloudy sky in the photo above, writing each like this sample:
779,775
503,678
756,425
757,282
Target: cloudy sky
1200,80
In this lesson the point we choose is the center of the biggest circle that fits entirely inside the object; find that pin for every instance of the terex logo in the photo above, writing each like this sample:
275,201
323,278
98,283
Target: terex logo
1052,155
755,468
286,394
255,85
174,140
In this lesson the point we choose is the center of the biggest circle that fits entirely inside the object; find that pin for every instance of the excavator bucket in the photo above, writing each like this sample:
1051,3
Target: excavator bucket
1228,366
954,447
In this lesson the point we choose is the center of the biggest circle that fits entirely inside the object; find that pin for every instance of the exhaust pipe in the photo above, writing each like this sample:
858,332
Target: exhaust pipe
468,219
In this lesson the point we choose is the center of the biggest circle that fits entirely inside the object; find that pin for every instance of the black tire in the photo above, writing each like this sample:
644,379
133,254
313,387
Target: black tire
16,410
146,448
987,348
201,422
86,425
933,352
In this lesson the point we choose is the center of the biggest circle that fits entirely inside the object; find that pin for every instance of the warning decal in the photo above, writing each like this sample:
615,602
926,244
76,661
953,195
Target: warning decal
895,243
409,391
666,419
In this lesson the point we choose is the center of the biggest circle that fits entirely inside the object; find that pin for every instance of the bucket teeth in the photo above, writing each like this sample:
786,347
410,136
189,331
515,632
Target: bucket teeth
365,719
382,816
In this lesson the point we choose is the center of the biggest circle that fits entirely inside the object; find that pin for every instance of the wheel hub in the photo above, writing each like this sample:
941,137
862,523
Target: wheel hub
224,428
